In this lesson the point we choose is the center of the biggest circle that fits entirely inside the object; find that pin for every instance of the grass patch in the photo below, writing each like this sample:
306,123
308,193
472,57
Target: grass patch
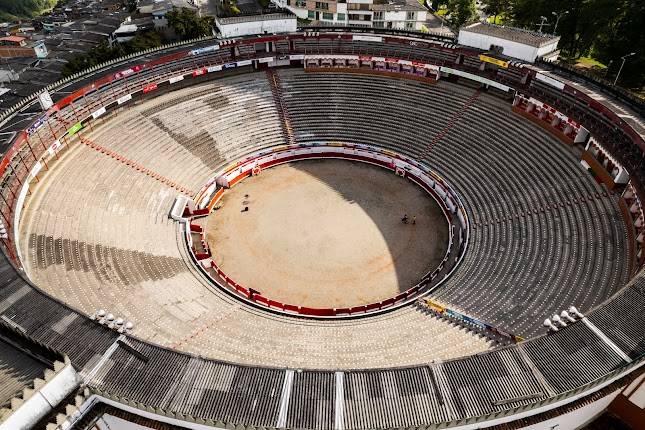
499,19
589,63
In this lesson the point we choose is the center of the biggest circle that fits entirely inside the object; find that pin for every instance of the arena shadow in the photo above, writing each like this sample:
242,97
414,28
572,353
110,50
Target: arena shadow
352,236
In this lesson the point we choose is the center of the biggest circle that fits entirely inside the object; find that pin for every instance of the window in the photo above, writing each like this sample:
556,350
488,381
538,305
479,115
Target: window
340,17
379,24
311,14
411,16
301,3
358,6
356,17
322,5
378,16
328,16
409,26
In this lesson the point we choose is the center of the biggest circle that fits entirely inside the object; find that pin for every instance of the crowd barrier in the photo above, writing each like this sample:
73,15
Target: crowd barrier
432,183
469,321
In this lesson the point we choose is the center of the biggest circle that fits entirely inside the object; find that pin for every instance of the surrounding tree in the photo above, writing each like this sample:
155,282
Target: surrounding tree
188,25
131,5
461,12
12,9
436,4
496,7
602,29
624,34
103,52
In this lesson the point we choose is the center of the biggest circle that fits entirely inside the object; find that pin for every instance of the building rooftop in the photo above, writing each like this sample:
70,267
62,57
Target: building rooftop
156,6
21,361
397,5
126,28
527,37
13,39
252,18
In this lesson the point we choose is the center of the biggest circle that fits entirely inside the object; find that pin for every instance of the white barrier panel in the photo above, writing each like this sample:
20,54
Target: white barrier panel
52,149
367,38
332,57
177,211
297,57
474,77
460,215
244,63
216,68
124,99
205,50
207,196
97,113
439,189
34,170
266,60
176,79
549,80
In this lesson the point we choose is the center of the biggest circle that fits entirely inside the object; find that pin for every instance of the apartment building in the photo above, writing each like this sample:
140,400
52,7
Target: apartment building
394,14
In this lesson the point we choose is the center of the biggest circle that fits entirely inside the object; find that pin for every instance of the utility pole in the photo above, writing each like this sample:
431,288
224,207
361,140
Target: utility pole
621,65
608,67
542,23
557,19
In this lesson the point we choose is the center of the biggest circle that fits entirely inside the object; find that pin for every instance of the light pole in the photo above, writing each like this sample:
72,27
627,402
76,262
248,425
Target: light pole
557,18
608,67
542,23
621,66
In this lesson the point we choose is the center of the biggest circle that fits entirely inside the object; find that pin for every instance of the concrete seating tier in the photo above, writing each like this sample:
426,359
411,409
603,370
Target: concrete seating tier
96,235
544,231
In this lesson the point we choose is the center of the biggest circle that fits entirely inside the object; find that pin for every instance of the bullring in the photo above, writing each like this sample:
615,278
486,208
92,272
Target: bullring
541,229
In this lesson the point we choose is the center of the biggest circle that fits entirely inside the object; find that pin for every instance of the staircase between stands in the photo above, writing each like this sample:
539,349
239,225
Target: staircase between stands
285,121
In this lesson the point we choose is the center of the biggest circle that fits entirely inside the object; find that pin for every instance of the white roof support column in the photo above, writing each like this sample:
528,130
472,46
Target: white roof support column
285,398
339,403
605,339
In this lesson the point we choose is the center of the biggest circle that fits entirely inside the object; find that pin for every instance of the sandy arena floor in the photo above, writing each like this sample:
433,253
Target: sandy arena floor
327,233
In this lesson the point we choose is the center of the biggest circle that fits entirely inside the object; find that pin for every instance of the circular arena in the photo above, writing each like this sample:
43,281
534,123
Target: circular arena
302,232
327,234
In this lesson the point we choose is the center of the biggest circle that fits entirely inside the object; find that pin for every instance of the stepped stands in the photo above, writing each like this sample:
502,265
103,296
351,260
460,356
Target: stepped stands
18,370
541,215
421,51
124,255
527,196
506,379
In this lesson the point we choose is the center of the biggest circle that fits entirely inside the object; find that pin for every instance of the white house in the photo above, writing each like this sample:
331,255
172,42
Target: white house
256,24
513,42
395,14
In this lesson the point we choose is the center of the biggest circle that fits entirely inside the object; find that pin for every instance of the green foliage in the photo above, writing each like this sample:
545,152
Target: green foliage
604,30
103,52
438,4
461,12
624,35
496,8
12,9
264,3
188,25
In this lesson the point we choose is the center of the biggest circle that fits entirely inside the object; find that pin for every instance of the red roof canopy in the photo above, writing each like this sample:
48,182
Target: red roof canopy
16,39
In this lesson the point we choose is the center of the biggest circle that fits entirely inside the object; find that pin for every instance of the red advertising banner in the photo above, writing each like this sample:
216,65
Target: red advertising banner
149,87
199,72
